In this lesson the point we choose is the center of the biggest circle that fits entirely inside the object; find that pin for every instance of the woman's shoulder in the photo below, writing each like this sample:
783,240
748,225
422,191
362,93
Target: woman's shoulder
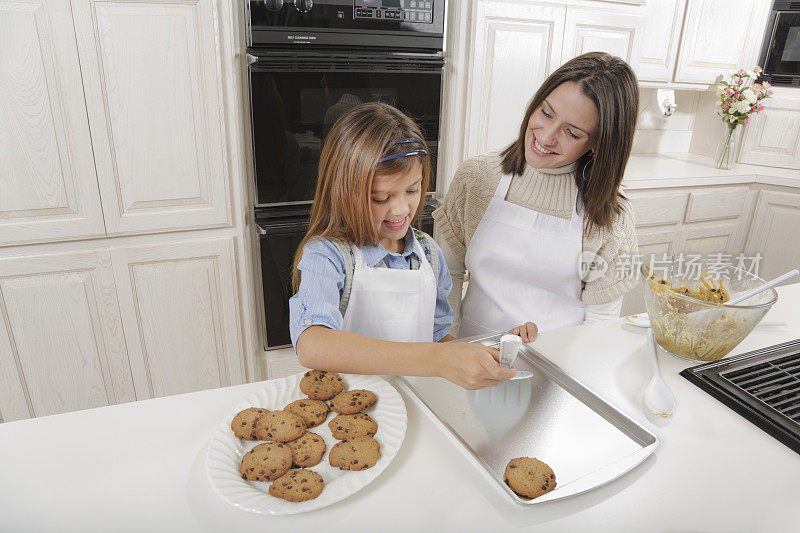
479,172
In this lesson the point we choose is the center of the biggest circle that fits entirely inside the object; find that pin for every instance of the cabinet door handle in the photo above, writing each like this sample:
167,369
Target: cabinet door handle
260,230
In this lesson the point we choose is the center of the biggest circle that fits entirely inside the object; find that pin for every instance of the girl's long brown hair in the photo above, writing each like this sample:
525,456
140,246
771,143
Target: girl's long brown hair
611,84
349,162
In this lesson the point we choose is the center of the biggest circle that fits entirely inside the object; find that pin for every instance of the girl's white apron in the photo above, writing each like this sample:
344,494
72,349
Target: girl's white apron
392,304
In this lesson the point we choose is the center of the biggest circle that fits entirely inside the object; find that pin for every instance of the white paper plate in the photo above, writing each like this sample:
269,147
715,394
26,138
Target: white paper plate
225,451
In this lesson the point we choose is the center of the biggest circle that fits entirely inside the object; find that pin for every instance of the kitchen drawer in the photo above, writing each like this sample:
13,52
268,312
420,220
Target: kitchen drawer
716,204
657,207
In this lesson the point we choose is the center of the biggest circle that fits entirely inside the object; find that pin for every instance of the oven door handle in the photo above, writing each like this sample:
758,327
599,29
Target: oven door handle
260,230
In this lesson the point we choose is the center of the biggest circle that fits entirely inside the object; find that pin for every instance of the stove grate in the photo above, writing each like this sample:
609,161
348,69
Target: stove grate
762,386
774,384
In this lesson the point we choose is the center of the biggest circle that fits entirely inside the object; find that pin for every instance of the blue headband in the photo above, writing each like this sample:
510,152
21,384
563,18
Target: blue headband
403,154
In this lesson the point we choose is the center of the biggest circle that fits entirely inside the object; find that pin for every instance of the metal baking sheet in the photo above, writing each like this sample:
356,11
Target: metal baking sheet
550,416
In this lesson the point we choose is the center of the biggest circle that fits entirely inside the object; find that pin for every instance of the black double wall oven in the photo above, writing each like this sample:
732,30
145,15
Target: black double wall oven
309,62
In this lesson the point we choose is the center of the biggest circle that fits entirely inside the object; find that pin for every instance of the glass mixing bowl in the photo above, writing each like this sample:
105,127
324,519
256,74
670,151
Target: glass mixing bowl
696,329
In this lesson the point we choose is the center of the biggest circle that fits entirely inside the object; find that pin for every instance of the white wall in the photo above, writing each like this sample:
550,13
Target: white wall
656,134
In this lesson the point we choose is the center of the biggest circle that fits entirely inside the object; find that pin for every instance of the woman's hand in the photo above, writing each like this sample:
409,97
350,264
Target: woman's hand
528,331
472,365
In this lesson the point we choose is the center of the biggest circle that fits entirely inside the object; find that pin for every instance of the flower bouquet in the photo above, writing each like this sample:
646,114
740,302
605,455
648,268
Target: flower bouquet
737,100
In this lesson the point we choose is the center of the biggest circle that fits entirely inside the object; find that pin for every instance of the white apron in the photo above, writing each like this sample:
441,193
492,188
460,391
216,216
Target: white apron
523,266
392,304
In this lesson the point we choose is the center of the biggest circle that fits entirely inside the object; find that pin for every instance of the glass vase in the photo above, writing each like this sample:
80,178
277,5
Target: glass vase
725,148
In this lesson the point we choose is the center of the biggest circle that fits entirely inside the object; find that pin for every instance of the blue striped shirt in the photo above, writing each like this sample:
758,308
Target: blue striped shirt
322,282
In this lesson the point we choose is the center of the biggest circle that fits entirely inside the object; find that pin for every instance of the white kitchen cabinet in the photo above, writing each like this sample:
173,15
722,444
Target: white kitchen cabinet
591,30
180,315
689,43
153,81
61,342
508,36
710,238
659,51
653,207
719,37
688,220
775,232
773,136
48,187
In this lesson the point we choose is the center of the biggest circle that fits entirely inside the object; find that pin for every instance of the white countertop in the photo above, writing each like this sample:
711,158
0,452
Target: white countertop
687,169
141,466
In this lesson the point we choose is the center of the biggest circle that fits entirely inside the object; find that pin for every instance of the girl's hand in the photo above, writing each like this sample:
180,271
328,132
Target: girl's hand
528,331
472,365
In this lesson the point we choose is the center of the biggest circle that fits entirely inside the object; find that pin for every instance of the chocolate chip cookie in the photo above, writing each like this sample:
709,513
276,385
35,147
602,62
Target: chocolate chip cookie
244,423
358,453
279,426
297,486
313,412
307,450
529,477
357,425
321,385
266,462
352,401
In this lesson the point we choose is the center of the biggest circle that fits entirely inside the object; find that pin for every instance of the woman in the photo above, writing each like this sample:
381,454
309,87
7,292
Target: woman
527,221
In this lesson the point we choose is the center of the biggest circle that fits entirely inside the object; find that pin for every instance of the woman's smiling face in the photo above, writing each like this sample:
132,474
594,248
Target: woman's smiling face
561,129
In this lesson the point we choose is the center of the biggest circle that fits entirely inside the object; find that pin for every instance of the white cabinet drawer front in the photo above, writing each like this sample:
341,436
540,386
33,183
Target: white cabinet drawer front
48,187
508,35
709,239
61,342
773,136
653,208
180,315
155,101
716,204
658,241
590,30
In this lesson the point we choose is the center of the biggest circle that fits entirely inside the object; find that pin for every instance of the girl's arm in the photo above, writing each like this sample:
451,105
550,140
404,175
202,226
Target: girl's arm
470,365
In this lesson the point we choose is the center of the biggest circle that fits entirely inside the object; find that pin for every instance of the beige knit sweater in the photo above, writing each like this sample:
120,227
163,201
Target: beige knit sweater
549,191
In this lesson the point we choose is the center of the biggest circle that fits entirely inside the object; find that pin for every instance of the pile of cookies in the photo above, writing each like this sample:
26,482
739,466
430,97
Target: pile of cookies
291,449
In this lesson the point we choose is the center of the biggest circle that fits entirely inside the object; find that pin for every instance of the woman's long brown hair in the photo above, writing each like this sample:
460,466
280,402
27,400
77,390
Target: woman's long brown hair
349,162
610,83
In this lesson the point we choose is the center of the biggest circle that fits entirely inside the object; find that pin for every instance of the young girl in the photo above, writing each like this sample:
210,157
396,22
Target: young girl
371,291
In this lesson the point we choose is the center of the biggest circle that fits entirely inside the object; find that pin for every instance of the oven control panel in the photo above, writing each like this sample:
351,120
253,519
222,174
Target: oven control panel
394,10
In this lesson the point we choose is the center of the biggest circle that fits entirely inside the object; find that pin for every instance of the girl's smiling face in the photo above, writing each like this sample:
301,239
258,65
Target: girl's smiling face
394,200
561,129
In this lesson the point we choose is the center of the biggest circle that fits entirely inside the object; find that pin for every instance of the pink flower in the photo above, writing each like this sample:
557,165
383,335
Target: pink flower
769,93
736,94
760,109
767,85
726,105
746,121
757,69
741,71
729,92
757,86
752,110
